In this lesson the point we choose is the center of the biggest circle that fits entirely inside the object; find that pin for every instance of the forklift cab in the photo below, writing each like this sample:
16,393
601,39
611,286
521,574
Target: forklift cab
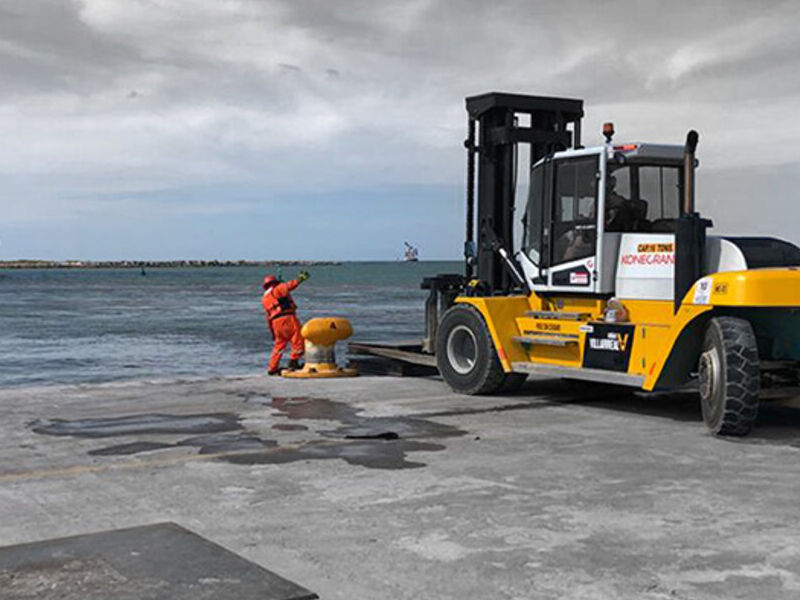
583,203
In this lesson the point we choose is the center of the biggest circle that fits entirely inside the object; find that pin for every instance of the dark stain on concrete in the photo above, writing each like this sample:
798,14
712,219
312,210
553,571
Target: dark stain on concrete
206,444
532,405
138,424
214,444
372,442
289,427
383,435
355,426
315,409
373,454
401,427
132,448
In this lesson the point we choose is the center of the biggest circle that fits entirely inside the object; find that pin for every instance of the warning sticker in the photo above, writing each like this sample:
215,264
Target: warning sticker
579,278
664,247
702,290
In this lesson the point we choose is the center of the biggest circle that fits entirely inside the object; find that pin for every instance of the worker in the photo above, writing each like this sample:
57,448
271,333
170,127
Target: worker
624,214
281,313
616,213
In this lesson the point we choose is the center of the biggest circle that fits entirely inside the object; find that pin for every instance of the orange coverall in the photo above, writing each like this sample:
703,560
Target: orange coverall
282,320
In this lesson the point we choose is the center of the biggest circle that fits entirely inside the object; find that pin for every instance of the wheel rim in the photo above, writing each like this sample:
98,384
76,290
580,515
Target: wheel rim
709,379
462,349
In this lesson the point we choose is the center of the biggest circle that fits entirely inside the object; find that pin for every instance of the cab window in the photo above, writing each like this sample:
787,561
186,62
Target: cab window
534,215
575,209
643,198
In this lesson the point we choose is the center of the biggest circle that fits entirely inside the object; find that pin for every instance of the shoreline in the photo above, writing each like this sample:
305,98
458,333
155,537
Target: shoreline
129,382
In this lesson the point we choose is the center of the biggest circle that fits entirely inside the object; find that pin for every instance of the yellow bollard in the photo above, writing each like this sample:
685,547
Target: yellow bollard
321,335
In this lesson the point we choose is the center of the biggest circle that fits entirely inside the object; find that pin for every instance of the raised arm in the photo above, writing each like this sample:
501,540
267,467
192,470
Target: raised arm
283,289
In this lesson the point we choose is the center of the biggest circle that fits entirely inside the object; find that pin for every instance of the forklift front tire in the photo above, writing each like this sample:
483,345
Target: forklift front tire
465,353
729,377
513,382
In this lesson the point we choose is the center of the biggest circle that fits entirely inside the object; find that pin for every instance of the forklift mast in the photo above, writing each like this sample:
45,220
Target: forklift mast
495,116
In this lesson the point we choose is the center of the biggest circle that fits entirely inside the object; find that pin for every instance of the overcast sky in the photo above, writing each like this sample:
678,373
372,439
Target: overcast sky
333,129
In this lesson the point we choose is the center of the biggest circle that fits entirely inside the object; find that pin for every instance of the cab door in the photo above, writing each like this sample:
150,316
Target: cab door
533,256
574,225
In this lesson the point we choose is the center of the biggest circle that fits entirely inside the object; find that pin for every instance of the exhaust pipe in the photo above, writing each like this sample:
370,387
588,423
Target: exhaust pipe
688,171
690,232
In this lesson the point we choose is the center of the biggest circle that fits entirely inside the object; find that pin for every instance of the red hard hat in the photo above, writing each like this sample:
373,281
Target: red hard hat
269,281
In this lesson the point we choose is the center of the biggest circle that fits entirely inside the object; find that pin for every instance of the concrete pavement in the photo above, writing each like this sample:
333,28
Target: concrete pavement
395,488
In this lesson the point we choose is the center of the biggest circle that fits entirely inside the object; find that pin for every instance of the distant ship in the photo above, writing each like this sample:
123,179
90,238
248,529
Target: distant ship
411,254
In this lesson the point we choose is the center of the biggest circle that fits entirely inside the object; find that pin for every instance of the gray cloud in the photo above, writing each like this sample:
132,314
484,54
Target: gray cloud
46,48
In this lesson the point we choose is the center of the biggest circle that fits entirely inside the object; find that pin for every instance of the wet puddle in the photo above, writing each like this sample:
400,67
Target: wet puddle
289,427
206,444
136,424
373,442
375,454
355,426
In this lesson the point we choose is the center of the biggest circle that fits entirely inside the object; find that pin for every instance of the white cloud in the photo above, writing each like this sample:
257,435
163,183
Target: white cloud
117,97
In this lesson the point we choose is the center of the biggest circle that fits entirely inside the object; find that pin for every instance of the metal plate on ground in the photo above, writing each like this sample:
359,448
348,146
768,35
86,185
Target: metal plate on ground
154,562
378,365
406,351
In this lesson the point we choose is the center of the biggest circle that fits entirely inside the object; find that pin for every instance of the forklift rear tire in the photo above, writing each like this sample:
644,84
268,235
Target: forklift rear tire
729,376
465,353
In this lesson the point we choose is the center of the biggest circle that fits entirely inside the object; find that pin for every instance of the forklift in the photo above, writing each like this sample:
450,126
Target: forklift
615,279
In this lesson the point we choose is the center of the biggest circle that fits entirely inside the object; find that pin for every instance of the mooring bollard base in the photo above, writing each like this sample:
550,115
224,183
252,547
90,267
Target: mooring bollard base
321,335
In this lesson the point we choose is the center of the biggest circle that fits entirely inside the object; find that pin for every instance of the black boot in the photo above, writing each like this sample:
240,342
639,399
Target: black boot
294,364
275,371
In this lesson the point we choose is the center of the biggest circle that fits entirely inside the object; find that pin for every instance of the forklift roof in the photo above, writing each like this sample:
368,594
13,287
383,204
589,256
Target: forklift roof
571,109
671,154
660,152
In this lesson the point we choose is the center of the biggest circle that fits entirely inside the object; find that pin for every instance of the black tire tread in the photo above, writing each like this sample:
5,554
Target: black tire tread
494,377
741,373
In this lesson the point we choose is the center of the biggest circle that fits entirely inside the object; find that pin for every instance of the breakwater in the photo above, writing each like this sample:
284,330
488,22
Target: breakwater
155,264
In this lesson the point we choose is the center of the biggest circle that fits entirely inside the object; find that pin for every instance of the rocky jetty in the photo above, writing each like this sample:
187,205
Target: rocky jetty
154,264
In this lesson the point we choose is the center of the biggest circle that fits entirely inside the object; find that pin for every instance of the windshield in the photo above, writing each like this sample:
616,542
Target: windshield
643,197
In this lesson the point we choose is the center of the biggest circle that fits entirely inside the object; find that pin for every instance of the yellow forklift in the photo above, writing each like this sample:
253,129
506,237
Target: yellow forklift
615,279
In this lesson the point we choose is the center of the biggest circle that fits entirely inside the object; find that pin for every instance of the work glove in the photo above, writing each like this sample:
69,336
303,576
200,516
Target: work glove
303,276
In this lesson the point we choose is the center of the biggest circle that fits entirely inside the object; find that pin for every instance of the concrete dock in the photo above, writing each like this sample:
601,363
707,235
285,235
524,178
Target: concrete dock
396,488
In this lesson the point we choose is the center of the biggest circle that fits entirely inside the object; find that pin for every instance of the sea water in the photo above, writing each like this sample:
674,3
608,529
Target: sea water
96,325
